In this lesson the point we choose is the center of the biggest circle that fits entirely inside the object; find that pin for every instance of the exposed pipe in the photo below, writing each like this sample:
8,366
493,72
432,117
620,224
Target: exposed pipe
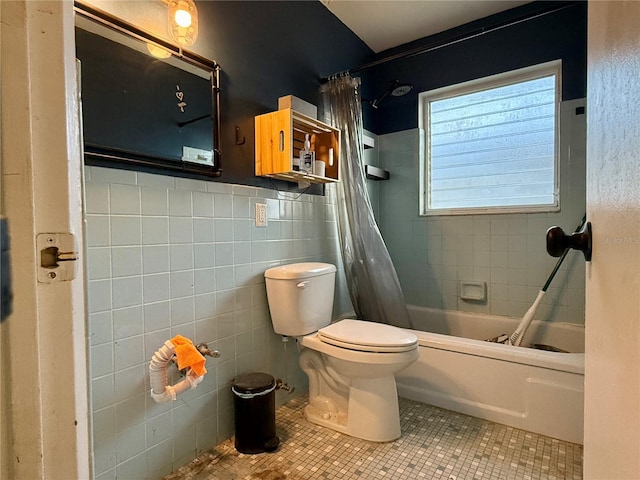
160,390
446,43
280,385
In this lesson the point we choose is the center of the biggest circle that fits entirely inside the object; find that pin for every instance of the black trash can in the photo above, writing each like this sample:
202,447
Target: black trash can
255,413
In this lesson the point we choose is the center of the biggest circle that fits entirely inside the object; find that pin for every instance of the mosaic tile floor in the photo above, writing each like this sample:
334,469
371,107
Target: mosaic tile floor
436,444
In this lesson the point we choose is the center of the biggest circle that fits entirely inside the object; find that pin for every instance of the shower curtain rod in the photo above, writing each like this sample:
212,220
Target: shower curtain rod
468,36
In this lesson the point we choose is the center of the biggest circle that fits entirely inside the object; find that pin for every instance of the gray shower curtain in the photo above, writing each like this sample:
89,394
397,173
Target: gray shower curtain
372,280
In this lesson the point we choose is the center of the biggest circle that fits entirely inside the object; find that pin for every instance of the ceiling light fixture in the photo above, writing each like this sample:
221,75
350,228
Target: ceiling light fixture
183,21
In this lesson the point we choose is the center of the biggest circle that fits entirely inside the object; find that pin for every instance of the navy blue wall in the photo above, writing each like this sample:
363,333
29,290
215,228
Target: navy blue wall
268,49
559,35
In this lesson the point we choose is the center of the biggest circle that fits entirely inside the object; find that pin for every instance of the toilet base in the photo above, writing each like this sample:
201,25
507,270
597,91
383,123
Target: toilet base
373,413
333,420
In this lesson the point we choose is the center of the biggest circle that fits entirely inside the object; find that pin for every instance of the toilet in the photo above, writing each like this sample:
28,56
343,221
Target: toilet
350,363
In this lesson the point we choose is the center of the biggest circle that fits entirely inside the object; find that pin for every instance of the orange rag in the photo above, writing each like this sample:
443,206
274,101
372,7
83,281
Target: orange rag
188,355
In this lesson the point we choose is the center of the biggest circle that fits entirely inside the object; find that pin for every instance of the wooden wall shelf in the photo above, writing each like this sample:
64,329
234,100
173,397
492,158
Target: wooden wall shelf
280,137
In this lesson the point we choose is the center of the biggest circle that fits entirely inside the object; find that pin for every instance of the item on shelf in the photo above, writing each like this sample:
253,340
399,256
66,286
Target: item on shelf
319,168
282,140
299,105
307,156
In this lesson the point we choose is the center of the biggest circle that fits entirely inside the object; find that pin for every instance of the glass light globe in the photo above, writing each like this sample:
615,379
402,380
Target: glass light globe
183,18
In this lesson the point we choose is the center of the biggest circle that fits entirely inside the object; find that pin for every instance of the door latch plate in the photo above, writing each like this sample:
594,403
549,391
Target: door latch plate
58,254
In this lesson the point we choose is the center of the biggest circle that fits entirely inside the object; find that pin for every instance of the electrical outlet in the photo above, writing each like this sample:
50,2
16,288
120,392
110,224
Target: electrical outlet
261,214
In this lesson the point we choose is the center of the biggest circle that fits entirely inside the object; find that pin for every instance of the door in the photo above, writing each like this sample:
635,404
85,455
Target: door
612,371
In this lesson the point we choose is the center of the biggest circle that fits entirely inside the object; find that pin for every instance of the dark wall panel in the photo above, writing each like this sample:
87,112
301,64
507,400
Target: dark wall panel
268,49
559,35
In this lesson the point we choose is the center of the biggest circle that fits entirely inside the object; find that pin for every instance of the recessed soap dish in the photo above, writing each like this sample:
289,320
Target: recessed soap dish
473,291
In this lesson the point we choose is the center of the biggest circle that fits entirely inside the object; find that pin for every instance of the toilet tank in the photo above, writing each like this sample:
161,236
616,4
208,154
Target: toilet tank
300,297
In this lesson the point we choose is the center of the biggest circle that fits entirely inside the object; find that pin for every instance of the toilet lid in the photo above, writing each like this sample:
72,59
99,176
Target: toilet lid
368,336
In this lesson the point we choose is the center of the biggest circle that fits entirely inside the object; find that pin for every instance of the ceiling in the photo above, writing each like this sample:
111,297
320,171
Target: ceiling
384,24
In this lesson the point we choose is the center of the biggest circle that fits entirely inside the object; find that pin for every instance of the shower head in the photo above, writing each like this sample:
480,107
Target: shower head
397,89
401,89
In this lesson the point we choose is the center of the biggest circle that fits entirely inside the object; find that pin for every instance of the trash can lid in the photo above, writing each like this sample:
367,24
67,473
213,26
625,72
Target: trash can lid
253,382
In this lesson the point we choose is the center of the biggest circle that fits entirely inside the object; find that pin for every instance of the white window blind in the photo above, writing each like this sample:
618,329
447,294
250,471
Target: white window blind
492,145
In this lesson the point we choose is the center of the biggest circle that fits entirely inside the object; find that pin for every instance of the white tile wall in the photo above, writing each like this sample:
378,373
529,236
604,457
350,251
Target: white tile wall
168,256
433,254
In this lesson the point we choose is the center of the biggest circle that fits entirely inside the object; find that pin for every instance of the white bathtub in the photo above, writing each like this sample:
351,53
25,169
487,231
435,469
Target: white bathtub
530,389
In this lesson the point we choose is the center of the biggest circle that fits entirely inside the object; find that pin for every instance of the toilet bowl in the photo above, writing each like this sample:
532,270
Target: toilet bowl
350,363
353,390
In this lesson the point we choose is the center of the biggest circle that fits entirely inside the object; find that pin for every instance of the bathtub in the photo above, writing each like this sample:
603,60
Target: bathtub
534,390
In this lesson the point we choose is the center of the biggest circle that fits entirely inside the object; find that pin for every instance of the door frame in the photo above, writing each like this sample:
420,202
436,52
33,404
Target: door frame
44,359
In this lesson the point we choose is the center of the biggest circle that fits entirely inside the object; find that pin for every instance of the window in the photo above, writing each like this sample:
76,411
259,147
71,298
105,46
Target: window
491,144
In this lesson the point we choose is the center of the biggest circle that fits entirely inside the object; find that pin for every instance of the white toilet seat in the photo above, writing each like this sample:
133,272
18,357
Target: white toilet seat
366,336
